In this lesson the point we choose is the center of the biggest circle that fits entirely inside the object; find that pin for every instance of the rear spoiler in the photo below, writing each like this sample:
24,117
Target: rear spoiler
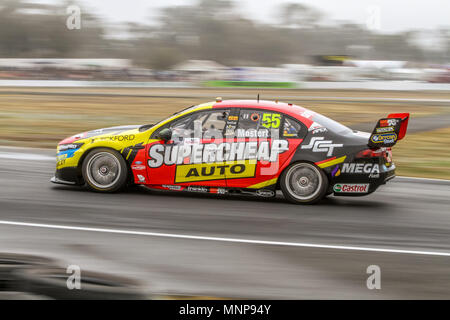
389,130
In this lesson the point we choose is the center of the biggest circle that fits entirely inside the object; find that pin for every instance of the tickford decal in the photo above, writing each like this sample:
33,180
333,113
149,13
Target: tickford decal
161,154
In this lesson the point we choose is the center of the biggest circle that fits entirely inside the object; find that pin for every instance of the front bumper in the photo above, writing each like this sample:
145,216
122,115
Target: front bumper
69,175
58,181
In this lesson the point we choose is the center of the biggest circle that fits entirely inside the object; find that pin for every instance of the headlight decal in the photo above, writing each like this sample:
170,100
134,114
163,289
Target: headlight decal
67,150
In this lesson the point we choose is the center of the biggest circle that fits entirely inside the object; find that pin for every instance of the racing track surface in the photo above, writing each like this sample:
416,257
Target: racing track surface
405,215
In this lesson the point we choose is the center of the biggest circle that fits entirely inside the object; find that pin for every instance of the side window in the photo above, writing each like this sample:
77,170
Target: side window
211,124
215,121
293,129
257,123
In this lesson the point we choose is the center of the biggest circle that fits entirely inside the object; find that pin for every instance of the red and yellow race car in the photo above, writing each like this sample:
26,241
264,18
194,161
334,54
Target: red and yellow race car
236,147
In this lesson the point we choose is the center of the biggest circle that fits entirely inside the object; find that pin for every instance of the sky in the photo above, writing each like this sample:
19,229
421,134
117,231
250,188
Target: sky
390,15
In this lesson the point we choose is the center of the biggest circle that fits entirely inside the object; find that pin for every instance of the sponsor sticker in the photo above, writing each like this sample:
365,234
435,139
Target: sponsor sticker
211,153
198,189
388,122
138,167
385,129
221,190
252,133
254,117
319,144
372,169
336,172
127,137
265,193
387,138
351,188
171,187
215,171
319,130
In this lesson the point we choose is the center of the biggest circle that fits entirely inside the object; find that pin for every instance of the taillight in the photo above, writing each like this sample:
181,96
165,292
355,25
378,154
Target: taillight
386,153
369,153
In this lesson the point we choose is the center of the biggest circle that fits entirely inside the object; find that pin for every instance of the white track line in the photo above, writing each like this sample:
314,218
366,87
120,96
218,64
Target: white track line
423,179
219,239
25,156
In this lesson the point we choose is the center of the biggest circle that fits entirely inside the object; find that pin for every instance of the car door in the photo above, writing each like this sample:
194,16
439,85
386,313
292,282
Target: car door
268,140
190,158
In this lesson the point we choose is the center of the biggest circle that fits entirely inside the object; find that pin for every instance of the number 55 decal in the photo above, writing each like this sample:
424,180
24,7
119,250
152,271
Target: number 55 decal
271,120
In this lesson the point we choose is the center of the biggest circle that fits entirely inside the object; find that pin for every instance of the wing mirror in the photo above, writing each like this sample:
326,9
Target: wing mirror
165,134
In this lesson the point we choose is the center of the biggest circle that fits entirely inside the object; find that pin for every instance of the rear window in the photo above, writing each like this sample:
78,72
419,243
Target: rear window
330,124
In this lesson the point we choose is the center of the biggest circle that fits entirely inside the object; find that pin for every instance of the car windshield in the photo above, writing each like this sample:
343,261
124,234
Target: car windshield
330,124
147,126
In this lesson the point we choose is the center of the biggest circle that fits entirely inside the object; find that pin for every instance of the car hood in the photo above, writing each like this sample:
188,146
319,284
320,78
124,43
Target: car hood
98,132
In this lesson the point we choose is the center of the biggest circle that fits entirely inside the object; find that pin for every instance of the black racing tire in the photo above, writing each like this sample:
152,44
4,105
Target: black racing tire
303,183
104,170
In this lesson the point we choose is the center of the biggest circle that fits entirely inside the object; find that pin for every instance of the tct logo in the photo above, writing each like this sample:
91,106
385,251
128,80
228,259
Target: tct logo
318,144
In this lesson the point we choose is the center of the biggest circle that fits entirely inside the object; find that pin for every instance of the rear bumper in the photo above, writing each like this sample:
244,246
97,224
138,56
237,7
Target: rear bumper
362,182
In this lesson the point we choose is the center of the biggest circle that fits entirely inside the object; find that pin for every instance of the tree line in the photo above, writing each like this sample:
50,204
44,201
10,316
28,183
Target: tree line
208,29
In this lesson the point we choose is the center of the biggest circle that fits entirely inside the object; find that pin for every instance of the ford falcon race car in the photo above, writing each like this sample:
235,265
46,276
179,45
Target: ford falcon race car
236,147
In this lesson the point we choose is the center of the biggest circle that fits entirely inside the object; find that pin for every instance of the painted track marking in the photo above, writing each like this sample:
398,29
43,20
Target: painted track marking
26,156
220,239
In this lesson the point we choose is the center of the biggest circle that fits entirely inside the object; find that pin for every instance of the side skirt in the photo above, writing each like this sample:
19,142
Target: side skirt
265,192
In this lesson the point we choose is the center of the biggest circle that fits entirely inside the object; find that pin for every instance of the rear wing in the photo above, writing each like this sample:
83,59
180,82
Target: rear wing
389,130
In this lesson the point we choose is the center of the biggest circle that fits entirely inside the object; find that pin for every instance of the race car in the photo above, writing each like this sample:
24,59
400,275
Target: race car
236,147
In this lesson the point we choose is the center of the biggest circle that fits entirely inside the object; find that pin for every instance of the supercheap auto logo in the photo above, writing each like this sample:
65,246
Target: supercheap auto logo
210,161
210,152
215,171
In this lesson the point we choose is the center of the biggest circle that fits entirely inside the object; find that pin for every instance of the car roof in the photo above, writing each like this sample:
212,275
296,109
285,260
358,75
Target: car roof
297,112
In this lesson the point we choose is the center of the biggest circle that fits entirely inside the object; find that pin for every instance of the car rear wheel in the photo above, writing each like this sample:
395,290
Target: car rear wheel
104,170
303,183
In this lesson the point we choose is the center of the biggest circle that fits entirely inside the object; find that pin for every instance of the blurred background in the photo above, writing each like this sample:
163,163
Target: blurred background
72,66
206,40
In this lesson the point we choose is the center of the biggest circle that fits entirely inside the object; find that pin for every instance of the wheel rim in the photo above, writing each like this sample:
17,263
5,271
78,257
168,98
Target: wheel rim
103,170
303,181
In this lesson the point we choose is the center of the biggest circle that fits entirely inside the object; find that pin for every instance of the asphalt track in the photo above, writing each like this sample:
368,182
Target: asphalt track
233,246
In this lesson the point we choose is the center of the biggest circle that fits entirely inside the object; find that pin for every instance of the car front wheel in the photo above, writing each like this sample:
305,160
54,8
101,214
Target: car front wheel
303,183
104,170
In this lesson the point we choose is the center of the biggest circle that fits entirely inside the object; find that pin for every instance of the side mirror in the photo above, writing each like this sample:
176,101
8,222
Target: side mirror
165,134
